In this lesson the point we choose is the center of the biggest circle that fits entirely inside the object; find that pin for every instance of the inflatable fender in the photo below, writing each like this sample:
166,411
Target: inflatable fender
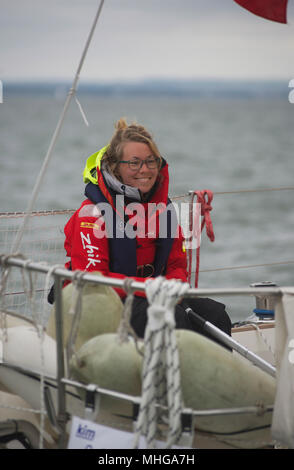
113,366
101,312
21,347
211,378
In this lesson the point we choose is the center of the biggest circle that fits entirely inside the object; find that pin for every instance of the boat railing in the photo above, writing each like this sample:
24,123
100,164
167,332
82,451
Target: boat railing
24,293
42,240
59,274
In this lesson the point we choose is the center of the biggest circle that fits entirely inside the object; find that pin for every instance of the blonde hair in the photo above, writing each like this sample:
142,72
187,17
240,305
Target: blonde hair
126,133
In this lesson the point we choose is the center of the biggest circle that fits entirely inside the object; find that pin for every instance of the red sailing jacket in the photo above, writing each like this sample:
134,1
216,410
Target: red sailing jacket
91,249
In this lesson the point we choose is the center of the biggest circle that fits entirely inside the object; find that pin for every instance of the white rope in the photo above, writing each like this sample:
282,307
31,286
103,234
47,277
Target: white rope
40,332
40,326
161,368
3,284
124,327
230,268
21,230
238,442
82,112
264,338
43,213
76,311
239,191
20,408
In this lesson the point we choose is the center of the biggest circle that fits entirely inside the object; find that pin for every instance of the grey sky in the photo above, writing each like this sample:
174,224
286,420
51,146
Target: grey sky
142,39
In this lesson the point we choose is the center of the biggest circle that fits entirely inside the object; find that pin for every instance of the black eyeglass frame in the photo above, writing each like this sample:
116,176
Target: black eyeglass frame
155,160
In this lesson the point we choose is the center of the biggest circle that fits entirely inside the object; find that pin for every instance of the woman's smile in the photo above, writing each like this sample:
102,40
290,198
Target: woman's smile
142,178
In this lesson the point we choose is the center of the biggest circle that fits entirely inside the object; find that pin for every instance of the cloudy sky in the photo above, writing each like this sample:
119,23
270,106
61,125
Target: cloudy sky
138,39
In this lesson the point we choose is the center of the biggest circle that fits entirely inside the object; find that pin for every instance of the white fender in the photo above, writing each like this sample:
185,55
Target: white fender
113,366
21,347
101,312
211,378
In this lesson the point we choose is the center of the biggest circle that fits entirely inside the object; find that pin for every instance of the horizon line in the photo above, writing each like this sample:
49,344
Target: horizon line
142,80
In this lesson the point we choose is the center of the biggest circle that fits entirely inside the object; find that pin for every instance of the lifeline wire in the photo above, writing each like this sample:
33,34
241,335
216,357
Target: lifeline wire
6,215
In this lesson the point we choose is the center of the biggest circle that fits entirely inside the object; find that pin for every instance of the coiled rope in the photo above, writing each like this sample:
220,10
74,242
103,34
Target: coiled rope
76,312
204,198
161,382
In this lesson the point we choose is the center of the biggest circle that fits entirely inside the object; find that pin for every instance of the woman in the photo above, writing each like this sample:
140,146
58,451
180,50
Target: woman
127,226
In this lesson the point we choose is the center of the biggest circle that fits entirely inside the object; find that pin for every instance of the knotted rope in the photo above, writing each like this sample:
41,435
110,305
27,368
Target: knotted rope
76,311
124,327
161,368
204,198
3,285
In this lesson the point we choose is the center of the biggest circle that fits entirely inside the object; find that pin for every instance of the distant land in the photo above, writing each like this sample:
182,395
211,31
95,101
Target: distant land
156,87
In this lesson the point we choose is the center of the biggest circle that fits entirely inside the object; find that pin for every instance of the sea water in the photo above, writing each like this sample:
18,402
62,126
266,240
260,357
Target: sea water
227,145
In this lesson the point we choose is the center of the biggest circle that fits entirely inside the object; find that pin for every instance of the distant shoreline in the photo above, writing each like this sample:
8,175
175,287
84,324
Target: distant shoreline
157,87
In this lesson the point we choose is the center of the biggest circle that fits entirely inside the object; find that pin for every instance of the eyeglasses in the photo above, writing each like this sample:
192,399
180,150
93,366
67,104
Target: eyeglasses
136,164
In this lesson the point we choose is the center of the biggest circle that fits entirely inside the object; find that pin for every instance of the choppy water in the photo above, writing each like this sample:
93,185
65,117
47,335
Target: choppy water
218,144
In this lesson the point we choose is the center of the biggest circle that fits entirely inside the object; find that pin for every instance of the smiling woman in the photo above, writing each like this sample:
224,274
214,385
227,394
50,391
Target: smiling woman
128,171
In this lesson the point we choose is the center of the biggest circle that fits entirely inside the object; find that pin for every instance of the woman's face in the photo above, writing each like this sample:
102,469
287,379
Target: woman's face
142,178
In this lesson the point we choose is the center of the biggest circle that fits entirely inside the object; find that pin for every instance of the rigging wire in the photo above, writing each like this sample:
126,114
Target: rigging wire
240,191
174,198
56,133
228,268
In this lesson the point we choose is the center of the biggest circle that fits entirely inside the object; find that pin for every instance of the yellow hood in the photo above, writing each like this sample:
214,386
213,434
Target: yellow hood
93,162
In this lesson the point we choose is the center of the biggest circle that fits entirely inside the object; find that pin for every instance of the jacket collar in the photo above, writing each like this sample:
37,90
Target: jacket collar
120,188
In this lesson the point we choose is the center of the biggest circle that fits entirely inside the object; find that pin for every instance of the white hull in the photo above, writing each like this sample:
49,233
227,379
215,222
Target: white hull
20,376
